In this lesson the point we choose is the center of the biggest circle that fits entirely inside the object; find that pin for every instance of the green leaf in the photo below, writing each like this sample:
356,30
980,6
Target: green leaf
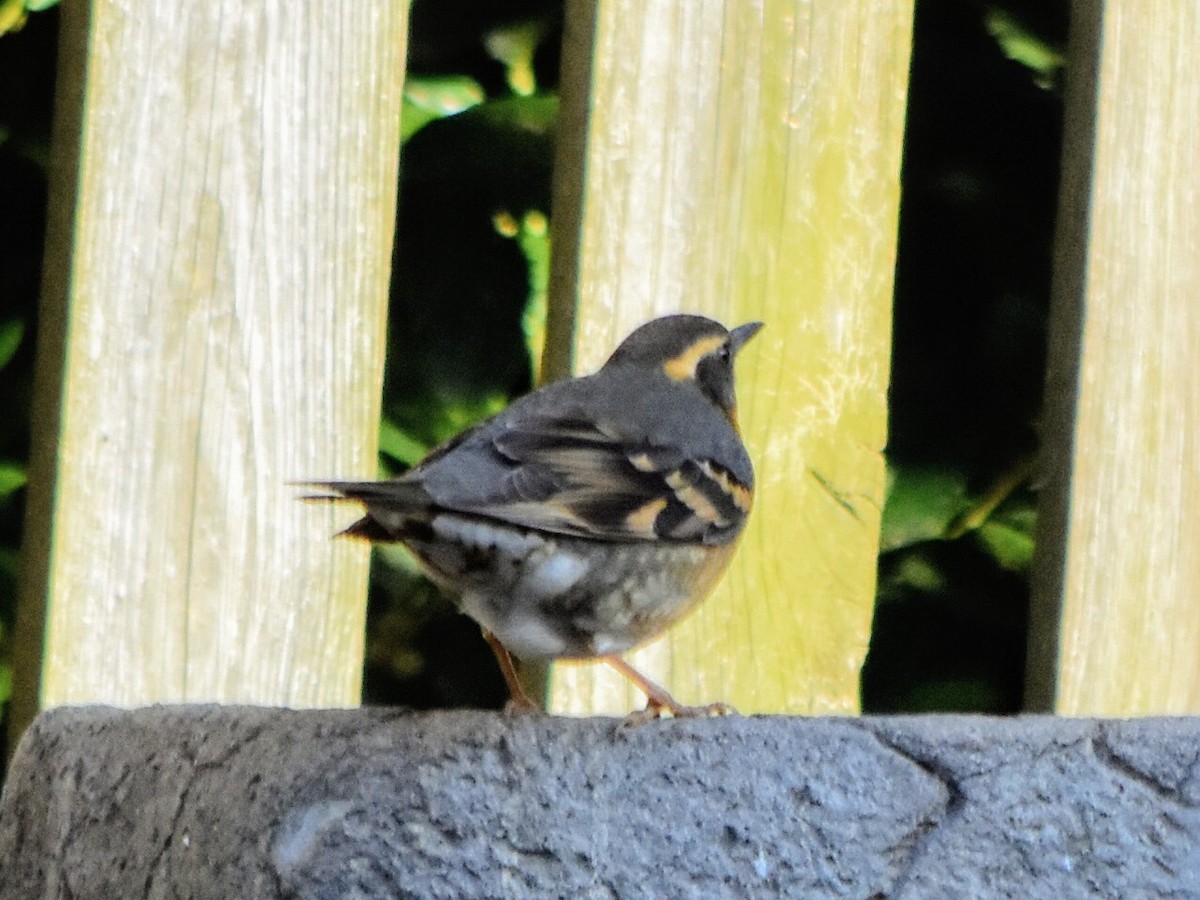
12,15
1008,537
11,333
921,504
532,234
400,445
1022,46
514,45
12,478
535,115
428,419
915,570
432,97
396,557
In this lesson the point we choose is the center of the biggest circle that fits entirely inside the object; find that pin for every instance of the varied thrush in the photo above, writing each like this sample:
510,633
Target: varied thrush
592,513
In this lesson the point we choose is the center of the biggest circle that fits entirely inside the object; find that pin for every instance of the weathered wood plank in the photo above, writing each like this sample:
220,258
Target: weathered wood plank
1116,625
742,161
228,270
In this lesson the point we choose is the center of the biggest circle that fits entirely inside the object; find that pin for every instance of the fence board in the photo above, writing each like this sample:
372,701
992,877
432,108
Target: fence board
224,332
1116,625
742,161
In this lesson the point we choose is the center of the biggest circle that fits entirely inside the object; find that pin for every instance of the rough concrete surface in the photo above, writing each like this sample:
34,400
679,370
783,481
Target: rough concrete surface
233,802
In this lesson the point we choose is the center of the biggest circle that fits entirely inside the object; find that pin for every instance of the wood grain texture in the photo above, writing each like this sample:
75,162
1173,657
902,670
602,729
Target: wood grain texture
1126,428
228,285
743,162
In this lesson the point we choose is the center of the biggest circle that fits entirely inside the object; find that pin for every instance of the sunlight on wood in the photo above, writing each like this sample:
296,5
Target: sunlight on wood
1119,556
743,162
228,290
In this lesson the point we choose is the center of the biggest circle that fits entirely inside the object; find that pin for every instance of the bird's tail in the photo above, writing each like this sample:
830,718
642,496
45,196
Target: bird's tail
390,505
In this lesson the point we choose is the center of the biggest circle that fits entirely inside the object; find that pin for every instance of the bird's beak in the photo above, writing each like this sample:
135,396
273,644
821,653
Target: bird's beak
740,335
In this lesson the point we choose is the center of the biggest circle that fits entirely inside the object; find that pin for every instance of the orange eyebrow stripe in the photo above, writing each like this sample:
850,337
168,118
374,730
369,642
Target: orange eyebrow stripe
683,366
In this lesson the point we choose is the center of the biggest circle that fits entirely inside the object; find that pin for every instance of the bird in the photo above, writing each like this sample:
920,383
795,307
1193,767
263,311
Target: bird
592,513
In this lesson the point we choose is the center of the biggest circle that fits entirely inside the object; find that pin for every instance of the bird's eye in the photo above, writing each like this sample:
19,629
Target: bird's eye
723,353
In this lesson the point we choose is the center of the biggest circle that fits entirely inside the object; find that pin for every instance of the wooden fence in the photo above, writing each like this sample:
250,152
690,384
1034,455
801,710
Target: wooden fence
213,319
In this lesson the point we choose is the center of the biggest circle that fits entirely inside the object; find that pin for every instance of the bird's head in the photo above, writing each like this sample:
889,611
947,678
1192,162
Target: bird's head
688,348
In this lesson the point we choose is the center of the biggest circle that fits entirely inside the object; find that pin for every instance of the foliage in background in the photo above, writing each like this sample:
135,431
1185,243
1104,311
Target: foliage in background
467,316
980,181
27,60
12,479
973,275
13,13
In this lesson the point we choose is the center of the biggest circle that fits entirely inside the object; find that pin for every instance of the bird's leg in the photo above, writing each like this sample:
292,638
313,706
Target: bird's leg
659,700
518,700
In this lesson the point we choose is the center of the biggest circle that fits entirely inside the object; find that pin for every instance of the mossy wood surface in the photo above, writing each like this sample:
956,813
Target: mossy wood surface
219,279
742,161
1116,625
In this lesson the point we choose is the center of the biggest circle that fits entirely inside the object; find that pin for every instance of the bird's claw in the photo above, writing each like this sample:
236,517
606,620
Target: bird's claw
656,709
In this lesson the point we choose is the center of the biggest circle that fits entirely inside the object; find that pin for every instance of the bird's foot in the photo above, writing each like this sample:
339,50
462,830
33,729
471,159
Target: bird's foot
519,702
522,705
659,701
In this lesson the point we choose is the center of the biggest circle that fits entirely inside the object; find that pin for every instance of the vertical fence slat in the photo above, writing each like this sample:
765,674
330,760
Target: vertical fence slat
226,306
742,161
1116,624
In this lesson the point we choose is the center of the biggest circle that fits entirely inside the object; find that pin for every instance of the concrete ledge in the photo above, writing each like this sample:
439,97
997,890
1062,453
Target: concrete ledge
224,802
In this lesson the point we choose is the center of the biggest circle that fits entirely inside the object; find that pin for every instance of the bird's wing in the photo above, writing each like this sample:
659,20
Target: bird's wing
577,477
